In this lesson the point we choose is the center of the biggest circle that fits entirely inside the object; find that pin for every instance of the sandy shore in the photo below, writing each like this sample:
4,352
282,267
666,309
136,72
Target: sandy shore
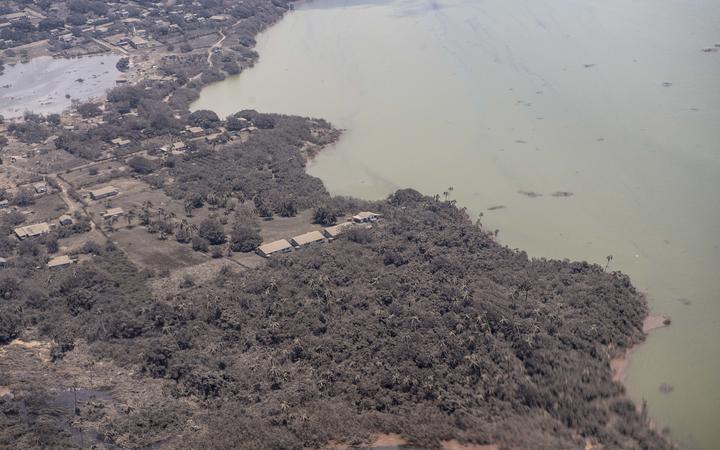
620,364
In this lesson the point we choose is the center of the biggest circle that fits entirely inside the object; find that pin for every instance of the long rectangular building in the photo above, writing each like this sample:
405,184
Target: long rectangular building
103,192
272,248
308,238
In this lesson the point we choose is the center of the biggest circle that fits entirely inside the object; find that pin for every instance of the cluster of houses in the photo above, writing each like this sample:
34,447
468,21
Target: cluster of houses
40,229
316,236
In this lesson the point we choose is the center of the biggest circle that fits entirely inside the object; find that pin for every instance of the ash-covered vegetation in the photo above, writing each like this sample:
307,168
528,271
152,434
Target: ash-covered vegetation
269,167
423,326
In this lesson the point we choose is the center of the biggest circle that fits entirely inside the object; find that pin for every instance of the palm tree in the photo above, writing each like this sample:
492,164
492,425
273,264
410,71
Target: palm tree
609,258
110,222
188,208
130,216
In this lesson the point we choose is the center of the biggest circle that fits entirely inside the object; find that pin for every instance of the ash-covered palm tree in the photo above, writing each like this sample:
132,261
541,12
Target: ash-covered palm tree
609,258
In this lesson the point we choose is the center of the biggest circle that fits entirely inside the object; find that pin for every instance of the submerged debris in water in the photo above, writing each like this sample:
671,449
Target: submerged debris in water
666,388
562,194
531,194
666,84
496,207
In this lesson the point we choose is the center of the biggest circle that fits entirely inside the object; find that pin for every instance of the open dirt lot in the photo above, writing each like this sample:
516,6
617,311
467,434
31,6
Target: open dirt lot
45,209
96,173
147,251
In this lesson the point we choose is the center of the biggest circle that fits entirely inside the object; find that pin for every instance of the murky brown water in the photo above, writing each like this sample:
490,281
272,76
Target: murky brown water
41,84
613,101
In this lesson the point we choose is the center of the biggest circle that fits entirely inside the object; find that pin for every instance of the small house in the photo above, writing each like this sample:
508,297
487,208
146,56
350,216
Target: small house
65,220
113,212
31,231
308,238
60,261
281,246
103,192
40,188
4,204
195,131
120,142
366,216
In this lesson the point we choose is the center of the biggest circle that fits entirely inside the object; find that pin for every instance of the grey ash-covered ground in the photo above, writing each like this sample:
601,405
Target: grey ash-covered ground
422,326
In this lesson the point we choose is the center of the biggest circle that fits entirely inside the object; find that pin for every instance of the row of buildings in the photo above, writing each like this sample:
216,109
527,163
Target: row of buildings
316,236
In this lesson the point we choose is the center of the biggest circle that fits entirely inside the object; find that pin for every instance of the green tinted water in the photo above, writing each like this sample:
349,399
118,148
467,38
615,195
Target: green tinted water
612,101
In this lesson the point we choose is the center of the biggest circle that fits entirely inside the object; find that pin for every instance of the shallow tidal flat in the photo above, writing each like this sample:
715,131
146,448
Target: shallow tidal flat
43,85
579,129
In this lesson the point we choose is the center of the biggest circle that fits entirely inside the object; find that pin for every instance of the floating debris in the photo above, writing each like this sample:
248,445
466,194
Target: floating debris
496,207
711,49
588,66
520,141
562,194
684,301
600,139
666,388
530,194
666,84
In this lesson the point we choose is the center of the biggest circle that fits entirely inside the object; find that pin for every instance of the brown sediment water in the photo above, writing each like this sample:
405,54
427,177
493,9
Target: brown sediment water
41,84
502,98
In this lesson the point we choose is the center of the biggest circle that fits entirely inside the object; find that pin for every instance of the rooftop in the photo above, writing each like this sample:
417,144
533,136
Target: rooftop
337,229
105,190
364,216
274,247
60,261
308,238
113,212
32,230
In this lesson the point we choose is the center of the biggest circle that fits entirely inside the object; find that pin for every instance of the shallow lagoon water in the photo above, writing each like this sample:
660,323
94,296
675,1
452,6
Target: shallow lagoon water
613,101
41,84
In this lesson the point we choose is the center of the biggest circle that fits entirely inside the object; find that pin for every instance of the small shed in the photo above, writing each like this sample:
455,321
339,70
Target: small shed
40,188
60,261
308,238
281,246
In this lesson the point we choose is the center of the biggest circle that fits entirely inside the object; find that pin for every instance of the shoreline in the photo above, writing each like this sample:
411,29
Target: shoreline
621,363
